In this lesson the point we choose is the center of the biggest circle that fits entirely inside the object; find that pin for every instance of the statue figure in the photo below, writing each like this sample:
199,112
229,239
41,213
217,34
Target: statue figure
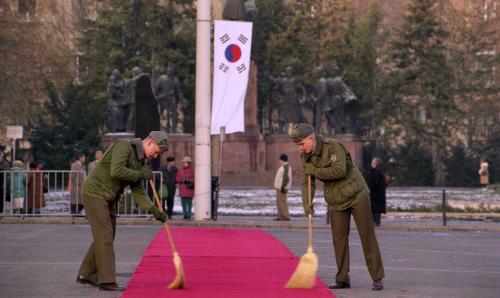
117,105
130,91
290,107
240,10
332,98
147,117
171,101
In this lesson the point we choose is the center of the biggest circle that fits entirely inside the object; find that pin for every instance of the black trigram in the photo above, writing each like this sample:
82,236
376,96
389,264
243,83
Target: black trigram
242,39
224,38
241,68
223,67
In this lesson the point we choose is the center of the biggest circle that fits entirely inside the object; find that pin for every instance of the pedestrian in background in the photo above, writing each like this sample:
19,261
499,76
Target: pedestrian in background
17,184
76,178
484,173
36,187
346,193
185,179
169,172
377,184
4,194
282,183
93,164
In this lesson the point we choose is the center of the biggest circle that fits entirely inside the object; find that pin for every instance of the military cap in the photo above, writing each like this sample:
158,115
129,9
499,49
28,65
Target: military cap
300,131
160,138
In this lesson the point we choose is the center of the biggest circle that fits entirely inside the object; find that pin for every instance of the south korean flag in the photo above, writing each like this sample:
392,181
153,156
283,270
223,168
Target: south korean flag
232,45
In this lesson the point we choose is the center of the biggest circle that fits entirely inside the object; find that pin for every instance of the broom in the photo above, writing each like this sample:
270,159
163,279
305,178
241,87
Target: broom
304,276
178,282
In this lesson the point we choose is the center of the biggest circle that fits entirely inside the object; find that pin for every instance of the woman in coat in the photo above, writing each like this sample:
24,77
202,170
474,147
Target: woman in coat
36,186
185,179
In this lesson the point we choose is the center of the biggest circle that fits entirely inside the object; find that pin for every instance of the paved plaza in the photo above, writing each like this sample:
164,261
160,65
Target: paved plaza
42,260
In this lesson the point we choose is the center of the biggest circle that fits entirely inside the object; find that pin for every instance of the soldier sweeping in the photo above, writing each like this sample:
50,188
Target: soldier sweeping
122,165
346,193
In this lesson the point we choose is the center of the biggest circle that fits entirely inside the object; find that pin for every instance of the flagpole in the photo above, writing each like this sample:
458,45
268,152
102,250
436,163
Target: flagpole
202,190
222,137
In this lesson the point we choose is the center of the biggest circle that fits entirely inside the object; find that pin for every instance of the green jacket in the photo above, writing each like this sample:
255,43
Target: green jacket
344,185
118,168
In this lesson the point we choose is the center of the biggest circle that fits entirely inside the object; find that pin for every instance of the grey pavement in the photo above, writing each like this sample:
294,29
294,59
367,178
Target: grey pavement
421,257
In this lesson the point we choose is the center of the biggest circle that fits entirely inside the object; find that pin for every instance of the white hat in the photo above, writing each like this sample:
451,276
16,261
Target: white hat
187,159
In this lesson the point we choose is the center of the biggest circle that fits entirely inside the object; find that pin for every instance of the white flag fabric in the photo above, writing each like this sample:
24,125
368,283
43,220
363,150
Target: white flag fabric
232,45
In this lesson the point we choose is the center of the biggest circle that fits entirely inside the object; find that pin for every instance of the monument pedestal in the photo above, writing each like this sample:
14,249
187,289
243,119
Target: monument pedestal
109,138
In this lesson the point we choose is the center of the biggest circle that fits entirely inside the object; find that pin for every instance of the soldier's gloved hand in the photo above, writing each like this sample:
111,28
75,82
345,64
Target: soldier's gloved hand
308,169
146,174
158,214
283,190
308,209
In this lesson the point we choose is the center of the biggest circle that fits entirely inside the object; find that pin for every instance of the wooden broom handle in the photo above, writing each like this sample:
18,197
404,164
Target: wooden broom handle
310,206
161,209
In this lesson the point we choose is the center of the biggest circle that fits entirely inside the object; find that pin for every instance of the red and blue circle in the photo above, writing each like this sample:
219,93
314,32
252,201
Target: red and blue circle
233,53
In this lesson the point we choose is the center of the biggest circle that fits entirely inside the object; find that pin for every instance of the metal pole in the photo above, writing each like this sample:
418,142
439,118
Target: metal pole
327,214
202,191
13,151
222,137
444,207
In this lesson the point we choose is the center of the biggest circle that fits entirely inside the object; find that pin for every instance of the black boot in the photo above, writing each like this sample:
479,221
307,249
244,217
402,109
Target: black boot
340,285
87,280
111,287
378,285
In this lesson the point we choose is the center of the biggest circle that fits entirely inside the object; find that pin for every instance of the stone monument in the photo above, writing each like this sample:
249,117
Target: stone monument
138,111
117,105
293,96
171,101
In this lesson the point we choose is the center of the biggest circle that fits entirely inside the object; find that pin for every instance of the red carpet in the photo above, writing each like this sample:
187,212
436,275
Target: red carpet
219,263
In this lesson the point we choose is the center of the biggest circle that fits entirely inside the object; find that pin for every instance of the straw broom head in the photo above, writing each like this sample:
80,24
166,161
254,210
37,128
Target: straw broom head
304,276
178,282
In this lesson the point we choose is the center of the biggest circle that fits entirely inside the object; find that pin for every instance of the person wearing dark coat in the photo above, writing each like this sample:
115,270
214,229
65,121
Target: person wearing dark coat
376,183
4,194
169,175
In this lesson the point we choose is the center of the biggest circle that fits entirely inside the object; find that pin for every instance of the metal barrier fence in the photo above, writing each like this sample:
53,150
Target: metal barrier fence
57,193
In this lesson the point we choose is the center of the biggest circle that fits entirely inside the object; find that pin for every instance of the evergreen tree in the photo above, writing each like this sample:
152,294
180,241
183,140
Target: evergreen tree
66,126
272,20
473,42
413,165
421,82
359,55
461,167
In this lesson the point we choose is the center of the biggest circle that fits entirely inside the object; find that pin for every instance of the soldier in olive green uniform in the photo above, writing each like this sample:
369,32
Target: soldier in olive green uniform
122,165
346,193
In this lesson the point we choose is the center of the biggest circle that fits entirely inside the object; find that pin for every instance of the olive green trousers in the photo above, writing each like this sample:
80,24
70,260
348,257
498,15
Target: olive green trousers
282,205
341,223
99,261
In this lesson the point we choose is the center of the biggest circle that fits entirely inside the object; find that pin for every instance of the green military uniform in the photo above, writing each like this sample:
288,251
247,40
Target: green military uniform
346,193
120,166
